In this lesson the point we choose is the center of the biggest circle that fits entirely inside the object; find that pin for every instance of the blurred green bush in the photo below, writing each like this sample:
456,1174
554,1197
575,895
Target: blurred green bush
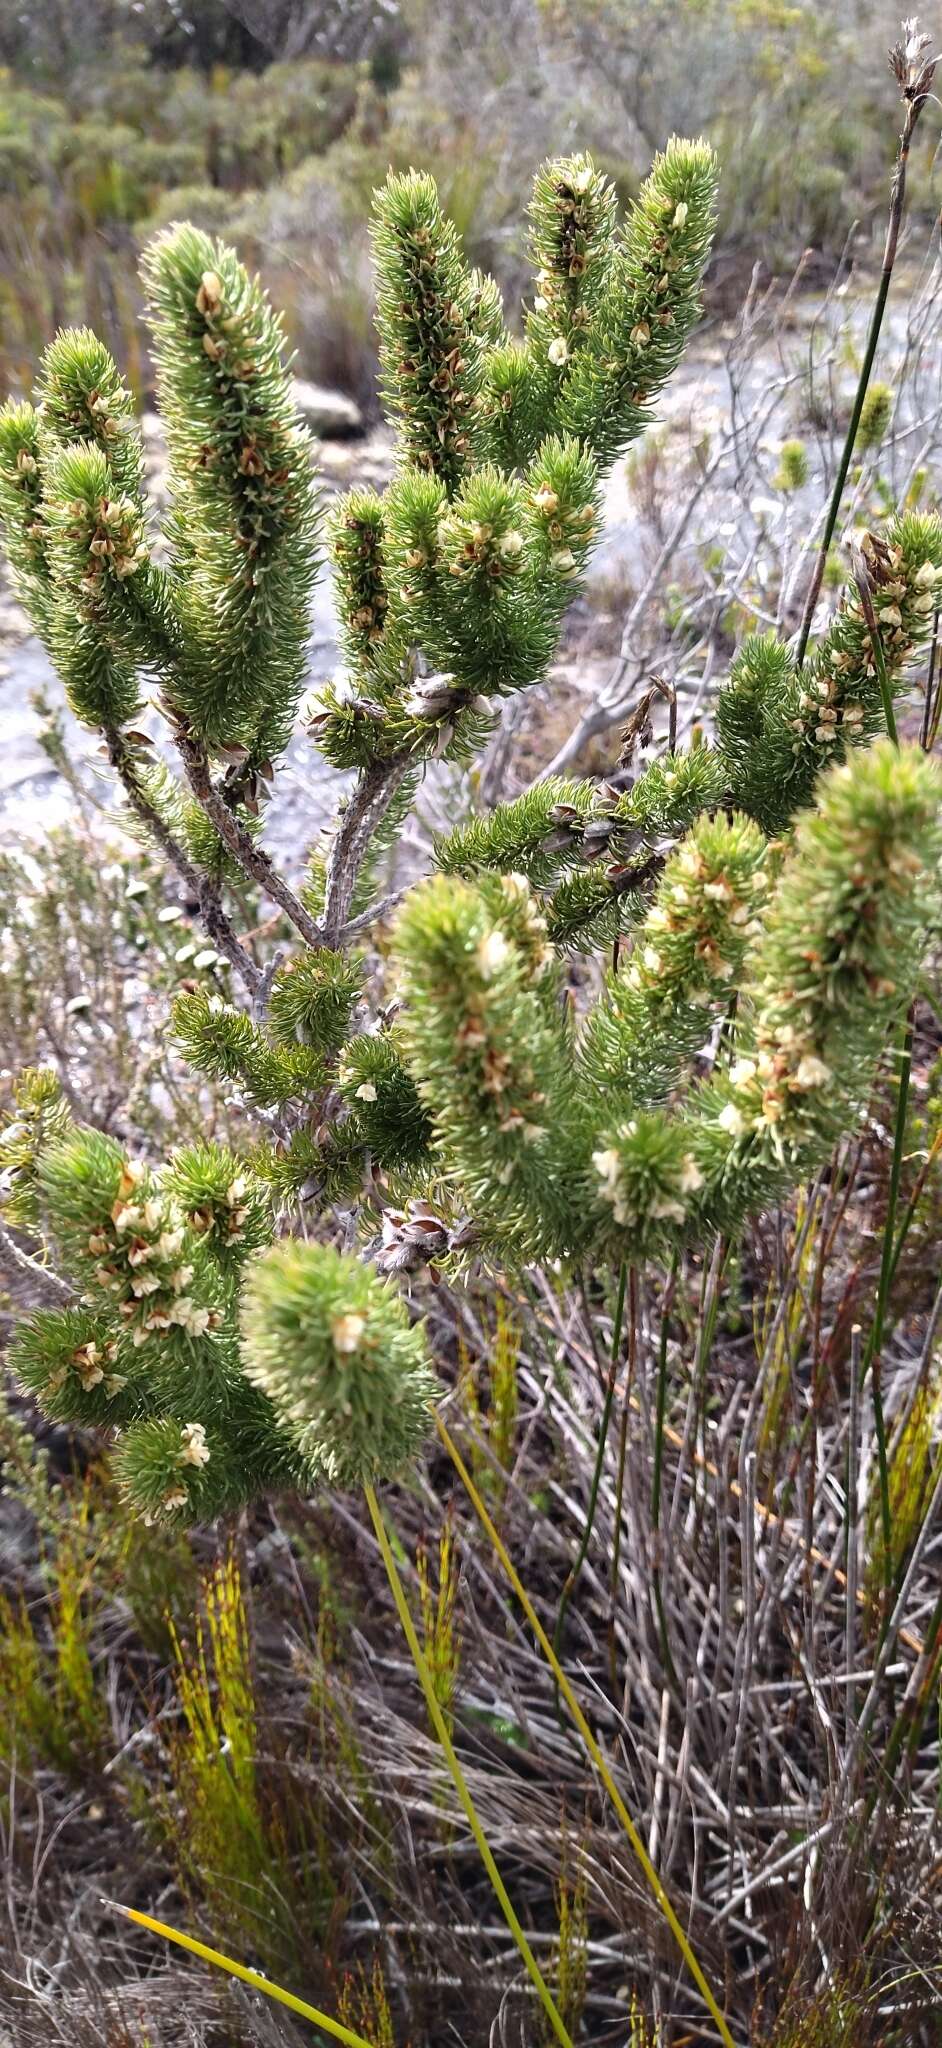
101,140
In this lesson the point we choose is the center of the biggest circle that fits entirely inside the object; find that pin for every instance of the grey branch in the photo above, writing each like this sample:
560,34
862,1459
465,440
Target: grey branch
211,911
24,1260
364,813
251,858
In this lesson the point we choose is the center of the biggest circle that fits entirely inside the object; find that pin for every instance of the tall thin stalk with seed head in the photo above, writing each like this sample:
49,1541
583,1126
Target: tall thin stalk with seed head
914,71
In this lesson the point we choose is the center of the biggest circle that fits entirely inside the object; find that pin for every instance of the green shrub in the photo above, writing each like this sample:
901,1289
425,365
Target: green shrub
459,1107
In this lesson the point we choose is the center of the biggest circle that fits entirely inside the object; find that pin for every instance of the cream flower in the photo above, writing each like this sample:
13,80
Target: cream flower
194,1450
347,1332
190,1317
88,1366
608,1167
811,1073
492,951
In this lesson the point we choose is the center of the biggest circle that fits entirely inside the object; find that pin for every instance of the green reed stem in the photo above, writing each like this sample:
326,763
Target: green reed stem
660,1417
583,1551
592,1746
620,1477
458,1778
913,110
246,1976
912,1206
884,681
889,1255
908,1725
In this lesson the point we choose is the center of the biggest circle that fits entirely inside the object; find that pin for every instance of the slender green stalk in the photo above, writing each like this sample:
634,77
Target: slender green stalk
880,661
927,706
872,1350
583,1551
252,1977
883,1475
620,1479
706,1331
588,1738
850,1535
910,1721
457,1774
890,1251
936,713
658,1465
909,1213
914,108
660,1417
837,493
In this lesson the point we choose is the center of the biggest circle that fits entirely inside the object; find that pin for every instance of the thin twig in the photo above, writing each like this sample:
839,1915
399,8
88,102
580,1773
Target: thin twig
250,857
364,813
210,909
365,919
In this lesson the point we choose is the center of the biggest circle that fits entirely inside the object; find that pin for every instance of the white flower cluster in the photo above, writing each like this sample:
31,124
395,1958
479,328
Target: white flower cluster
786,1066
118,539
348,1331
140,1254
89,1362
495,545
